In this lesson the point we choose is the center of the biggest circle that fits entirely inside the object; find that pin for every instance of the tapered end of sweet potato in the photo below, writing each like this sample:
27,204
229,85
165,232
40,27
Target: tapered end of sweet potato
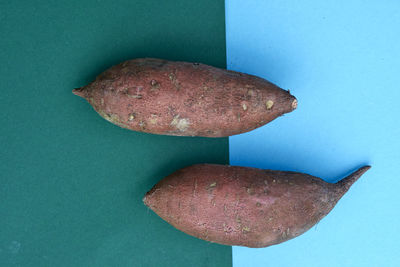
288,104
147,199
344,185
80,92
294,103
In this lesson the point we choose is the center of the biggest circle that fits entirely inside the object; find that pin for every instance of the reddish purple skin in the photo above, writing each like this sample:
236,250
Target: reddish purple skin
242,206
185,99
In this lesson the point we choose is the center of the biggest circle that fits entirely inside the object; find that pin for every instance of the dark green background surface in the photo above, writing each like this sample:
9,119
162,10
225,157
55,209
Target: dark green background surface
71,183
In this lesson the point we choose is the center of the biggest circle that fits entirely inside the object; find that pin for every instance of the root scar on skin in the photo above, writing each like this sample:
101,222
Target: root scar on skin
195,188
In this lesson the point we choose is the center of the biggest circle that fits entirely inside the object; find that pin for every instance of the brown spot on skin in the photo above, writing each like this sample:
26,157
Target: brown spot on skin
258,204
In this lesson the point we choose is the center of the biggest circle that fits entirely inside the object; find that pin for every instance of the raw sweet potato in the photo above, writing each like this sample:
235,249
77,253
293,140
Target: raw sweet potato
244,206
186,99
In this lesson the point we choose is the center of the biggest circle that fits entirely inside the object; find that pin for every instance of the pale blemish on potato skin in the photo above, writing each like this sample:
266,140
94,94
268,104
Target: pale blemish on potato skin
153,119
142,124
155,86
245,229
214,184
250,191
174,81
131,117
154,83
113,118
269,104
134,92
213,202
227,229
182,124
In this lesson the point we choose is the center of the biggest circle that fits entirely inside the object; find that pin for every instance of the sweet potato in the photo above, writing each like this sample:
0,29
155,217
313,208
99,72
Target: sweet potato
185,99
244,206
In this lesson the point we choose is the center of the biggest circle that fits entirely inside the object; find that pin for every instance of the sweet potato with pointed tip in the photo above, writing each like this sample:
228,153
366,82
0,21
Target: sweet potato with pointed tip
185,99
242,206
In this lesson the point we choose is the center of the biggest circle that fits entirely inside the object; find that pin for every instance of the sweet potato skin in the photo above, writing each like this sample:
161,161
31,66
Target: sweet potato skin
184,99
244,206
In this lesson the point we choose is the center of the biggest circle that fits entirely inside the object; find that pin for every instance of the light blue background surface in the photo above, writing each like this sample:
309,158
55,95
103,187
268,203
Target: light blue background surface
341,59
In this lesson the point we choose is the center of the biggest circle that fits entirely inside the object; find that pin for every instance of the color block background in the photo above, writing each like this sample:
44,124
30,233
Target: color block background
71,184
341,59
